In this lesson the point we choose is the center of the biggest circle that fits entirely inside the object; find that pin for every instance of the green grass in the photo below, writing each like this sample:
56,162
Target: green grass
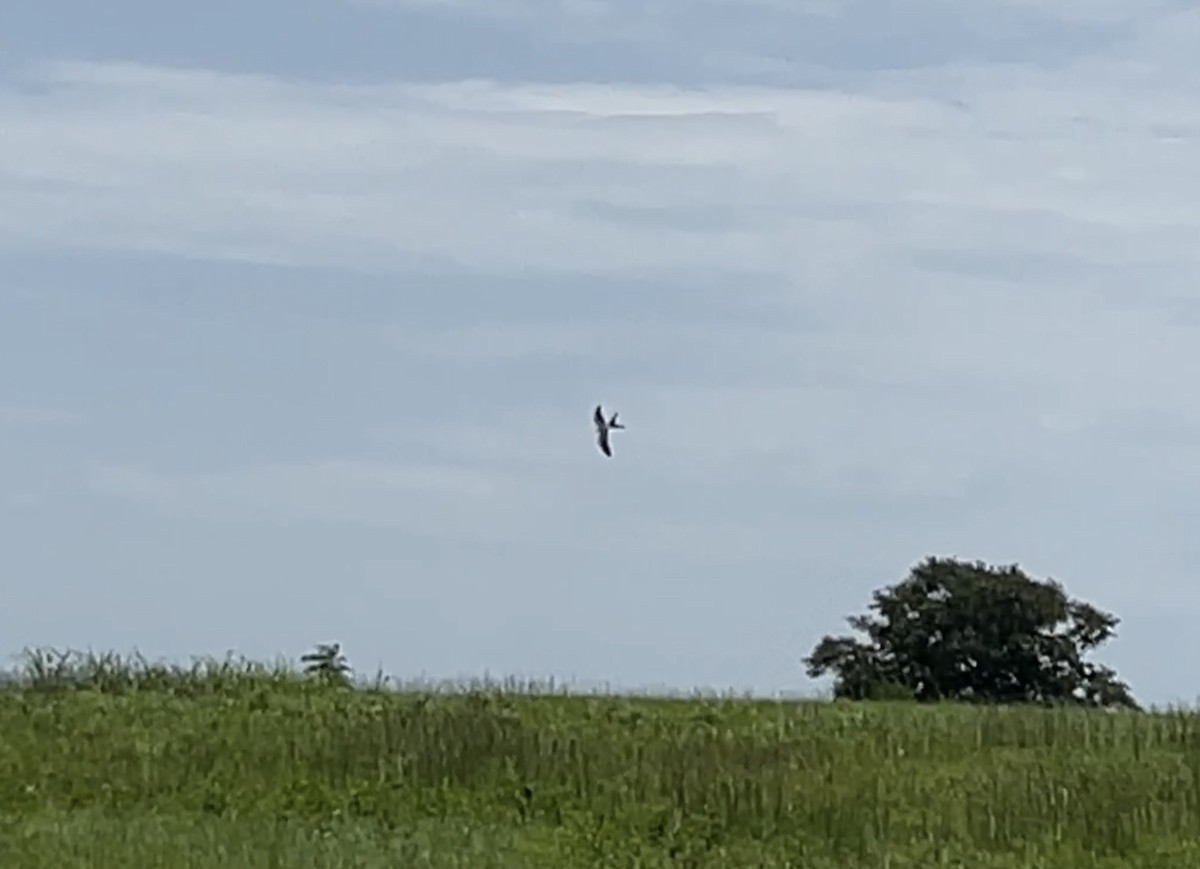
109,763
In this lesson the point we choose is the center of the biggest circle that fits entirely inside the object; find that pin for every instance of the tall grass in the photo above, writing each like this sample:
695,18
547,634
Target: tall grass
112,762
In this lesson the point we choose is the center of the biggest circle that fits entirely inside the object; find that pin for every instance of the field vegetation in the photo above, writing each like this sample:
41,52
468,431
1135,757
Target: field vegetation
123,763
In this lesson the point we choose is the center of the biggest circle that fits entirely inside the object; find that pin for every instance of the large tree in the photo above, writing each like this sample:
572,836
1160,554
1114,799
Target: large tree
969,631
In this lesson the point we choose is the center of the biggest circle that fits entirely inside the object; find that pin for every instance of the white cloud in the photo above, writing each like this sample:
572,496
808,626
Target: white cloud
591,177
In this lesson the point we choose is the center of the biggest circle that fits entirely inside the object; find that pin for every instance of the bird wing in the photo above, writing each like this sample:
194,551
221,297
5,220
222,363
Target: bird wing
602,439
598,417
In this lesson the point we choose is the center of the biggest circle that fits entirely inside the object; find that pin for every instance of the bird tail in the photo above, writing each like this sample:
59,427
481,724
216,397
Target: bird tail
612,423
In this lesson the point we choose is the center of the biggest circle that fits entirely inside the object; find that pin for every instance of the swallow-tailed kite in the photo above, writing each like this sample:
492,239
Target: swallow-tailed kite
603,427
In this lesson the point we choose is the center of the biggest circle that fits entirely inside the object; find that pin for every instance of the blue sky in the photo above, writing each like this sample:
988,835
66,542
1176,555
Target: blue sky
306,305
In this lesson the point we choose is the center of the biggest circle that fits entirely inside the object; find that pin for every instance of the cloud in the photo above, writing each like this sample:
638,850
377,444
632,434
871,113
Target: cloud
1041,214
801,42
510,178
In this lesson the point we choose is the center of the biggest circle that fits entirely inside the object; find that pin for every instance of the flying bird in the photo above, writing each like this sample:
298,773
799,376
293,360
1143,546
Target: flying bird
603,427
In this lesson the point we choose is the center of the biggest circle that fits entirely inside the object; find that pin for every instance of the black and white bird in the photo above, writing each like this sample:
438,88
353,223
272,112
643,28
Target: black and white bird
603,427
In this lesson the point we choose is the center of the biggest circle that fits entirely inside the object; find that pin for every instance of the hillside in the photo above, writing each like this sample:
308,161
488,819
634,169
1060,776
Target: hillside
238,765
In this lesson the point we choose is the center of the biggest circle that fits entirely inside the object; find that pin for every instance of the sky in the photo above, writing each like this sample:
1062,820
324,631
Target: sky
305,306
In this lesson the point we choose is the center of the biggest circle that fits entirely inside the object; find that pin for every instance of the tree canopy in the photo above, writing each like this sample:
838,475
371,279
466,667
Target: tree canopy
955,630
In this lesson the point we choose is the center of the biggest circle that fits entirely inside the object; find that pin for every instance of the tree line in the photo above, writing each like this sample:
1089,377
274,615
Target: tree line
952,630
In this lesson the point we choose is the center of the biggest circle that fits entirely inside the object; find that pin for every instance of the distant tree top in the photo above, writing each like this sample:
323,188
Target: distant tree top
957,630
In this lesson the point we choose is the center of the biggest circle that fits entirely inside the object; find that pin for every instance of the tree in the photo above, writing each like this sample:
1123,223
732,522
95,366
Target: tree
954,630
327,663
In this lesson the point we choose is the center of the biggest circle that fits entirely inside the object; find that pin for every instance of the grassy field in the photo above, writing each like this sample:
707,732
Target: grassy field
114,764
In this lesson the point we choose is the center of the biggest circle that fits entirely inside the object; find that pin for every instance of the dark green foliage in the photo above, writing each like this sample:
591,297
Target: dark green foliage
960,631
